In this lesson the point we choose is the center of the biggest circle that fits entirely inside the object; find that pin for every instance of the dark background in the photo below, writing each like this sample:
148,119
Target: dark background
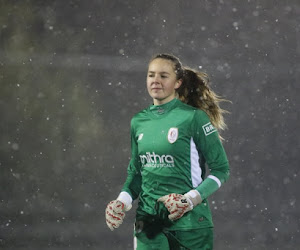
72,74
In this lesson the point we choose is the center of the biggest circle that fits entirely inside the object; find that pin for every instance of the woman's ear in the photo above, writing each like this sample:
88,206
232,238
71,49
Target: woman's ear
178,83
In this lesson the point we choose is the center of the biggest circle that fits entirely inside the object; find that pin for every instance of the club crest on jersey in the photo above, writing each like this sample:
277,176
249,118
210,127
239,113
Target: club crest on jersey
208,129
172,135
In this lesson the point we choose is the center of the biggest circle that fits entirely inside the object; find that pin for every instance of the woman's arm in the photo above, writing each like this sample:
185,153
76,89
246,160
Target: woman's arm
133,181
210,146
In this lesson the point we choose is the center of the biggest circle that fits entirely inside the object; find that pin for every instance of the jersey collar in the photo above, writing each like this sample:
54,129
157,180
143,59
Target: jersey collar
159,110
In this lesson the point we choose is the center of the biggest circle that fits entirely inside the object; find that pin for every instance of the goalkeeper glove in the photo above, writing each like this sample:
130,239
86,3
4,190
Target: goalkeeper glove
178,204
115,210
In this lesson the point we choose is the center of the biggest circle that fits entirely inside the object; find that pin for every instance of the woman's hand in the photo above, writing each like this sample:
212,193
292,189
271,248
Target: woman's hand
178,204
114,214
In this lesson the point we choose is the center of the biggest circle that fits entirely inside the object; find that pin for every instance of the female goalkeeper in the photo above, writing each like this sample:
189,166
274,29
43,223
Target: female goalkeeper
172,141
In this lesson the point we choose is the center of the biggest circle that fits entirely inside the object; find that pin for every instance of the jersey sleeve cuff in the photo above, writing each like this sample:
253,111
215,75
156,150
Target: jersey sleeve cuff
207,187
216,179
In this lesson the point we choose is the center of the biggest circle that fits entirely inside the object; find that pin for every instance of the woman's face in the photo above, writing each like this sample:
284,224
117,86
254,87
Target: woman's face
161,81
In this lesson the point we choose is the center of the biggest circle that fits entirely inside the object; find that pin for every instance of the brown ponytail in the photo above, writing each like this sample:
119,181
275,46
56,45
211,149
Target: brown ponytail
195,91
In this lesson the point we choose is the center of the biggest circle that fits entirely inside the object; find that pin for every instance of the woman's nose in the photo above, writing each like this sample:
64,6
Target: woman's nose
156,78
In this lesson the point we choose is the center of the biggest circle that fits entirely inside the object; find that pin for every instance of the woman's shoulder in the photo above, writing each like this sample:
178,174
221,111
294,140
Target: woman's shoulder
188,108
140,115
196,115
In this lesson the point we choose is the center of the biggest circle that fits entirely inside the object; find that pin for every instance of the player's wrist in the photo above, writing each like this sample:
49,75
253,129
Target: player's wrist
194,197
126,199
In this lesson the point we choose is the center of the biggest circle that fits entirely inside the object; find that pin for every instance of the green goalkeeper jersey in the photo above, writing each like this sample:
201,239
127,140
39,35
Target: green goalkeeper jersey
171,144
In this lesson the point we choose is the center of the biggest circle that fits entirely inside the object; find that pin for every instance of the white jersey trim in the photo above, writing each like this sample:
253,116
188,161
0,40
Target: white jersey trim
134,243
195,165
216,179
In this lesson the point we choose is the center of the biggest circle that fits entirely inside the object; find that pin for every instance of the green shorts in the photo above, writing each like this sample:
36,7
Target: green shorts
201,239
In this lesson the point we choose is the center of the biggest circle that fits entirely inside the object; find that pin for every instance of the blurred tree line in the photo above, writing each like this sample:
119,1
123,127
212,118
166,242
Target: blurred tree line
62,129
50,126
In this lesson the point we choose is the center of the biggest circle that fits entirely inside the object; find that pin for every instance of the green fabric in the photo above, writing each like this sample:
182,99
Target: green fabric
196,239
207,187
170,145
159,242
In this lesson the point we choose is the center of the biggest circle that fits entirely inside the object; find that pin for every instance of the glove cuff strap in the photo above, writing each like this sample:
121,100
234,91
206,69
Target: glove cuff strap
194,196
126,199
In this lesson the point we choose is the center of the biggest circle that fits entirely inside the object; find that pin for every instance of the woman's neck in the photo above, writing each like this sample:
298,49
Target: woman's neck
164,101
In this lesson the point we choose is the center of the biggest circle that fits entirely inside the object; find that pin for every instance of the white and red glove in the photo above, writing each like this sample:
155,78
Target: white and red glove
114,214
115,210
178,204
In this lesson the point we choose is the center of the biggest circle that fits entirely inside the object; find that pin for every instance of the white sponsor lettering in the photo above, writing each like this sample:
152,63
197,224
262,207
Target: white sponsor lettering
208,129
155,160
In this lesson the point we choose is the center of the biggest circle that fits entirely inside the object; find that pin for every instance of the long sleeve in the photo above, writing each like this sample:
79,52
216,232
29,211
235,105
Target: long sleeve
133,181
208,143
